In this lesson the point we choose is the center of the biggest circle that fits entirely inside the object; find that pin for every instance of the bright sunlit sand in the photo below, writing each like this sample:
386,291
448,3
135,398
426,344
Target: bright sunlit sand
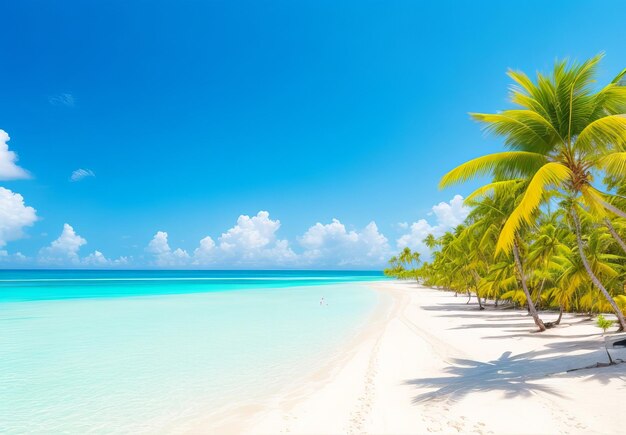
431,363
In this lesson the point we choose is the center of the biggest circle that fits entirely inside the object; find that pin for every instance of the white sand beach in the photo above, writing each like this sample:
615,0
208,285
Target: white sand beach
431,363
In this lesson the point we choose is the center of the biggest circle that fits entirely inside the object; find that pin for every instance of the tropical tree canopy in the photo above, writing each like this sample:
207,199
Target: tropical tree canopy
548,229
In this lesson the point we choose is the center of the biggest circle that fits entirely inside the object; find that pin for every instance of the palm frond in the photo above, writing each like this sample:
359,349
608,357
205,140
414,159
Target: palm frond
549,174
603,133
524,130
614,164
491,187
511,162
593,199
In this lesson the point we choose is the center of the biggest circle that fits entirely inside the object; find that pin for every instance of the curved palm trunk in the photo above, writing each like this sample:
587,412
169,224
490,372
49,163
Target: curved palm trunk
616,236
531,306
614,209
558,321
477,279
538,303
594,278
480,304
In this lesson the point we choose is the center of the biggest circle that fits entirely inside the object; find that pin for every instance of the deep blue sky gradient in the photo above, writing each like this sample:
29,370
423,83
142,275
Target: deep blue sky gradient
194,112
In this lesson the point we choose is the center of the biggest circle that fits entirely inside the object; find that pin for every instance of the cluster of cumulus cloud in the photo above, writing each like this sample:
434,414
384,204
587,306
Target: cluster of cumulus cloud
15,216
252,242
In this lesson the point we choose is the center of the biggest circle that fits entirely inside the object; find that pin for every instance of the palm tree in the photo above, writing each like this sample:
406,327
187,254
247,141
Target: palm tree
409,258
618,185
560,136
404,265
395,268
547,241
430,241
492,212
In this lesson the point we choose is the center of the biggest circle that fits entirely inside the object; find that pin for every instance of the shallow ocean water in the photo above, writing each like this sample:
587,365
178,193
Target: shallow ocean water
140,351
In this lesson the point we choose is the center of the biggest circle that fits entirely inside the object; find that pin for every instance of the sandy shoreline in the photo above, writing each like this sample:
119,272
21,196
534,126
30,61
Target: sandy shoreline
428,362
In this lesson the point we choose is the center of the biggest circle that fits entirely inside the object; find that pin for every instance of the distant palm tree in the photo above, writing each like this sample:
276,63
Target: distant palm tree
409,258
405,265
430,241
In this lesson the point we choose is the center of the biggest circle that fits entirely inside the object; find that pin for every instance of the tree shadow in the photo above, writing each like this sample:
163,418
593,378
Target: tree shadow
481,315
592,342
512,375
451,307
521,325
603,376
536,334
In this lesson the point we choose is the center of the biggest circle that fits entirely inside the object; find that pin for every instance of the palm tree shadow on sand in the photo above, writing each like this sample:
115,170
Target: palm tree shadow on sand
514,375
517,375
509,374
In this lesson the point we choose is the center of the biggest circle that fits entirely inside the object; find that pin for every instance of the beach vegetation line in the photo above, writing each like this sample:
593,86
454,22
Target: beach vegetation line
548,229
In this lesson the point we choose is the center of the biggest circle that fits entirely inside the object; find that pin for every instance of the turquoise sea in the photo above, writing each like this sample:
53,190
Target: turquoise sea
147,351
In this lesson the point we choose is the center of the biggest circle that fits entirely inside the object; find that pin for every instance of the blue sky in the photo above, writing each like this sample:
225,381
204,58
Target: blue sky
190,114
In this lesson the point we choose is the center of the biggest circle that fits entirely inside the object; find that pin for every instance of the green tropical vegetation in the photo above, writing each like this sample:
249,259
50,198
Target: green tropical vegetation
547,229
405,265
603,322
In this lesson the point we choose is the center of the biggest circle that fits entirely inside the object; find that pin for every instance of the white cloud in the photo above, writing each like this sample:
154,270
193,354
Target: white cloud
14,216
206,252
448,215
123,261
13,259
451,214
416,235
163,254
79,174
331,245
9,170
64,99
250,232
180,255
63,250
252,242
97,259
159,245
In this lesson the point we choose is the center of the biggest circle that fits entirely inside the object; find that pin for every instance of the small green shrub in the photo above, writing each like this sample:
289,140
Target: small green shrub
604,323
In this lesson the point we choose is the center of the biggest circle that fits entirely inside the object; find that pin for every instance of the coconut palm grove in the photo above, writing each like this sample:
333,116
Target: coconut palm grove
547,230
